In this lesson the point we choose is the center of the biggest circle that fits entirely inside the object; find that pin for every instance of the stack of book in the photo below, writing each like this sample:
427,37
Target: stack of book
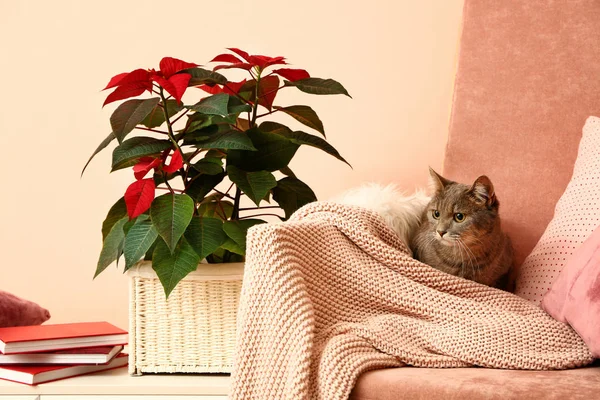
43,353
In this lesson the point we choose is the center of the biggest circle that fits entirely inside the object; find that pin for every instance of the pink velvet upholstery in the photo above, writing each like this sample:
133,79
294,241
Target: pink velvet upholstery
575,296
15,311
477,383
527,80
528,77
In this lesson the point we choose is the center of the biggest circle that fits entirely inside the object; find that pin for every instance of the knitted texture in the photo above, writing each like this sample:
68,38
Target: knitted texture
333,293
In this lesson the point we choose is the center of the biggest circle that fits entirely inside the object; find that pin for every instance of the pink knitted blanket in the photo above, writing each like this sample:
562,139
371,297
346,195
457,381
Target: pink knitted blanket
333,293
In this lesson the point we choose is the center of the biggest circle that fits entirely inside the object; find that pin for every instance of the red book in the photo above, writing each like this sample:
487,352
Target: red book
37,338
90,355
34,374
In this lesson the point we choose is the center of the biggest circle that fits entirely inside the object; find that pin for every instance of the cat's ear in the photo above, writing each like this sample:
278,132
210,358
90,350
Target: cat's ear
436,181
483,191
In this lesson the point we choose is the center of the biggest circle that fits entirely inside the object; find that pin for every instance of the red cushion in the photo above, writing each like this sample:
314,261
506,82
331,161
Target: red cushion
15,311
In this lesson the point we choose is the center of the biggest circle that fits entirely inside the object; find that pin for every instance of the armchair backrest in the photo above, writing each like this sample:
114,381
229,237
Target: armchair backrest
528,77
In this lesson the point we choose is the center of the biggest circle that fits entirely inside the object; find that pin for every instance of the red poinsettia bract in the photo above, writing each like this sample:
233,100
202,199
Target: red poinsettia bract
140,194
247,62
136,82
269,84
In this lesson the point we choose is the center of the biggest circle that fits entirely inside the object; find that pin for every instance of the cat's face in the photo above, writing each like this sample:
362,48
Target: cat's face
461,214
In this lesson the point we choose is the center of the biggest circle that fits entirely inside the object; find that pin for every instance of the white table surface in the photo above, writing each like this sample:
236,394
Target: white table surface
119,382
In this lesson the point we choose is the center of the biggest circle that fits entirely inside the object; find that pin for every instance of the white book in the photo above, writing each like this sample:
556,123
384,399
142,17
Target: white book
89,355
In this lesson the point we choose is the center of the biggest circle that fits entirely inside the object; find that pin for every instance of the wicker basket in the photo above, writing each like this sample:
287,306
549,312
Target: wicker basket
194,330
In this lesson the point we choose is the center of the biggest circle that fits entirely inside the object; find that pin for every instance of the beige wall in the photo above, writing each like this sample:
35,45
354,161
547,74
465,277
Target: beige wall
396,58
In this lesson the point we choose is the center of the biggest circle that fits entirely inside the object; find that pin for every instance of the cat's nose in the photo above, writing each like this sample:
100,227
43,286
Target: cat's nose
441,233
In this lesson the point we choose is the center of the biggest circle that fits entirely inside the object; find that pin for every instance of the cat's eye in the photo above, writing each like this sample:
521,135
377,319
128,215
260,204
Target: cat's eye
459,217
435,214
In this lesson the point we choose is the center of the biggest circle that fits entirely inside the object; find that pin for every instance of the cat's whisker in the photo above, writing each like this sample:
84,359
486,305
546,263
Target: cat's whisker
461,246
474,238
462,262
472,257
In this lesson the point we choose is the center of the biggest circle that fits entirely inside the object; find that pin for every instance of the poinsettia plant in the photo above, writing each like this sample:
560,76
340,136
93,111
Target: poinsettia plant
174,213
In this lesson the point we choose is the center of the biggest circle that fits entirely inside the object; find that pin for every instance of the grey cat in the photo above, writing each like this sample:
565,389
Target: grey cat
460,232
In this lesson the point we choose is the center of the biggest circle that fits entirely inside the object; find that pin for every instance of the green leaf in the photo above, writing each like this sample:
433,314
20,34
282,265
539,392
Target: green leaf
301,138
304,115
138,241
215,104
102,146
205,235
234,140
287,172
214,153
116,212
127,227
196,137
203,184
255,185
248,90
273,152
237,231
127,153
126,117
172,266
112,246
318,86
236,106
210,166
148,255
232,246
222,255
199,121
157,117
202,76
291,194
222,209
171,214
274,127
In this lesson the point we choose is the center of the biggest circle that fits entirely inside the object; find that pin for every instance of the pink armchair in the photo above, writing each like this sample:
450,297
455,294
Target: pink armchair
528,77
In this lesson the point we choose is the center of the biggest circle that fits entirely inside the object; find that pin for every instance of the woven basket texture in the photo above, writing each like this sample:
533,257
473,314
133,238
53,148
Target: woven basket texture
193,331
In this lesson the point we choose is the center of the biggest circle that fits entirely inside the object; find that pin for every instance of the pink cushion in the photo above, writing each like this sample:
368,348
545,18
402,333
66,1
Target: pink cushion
575,296
15,311
576,215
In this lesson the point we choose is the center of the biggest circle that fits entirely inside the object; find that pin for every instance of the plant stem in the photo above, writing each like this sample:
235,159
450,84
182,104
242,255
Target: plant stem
172,135
170,189
224,194
224,214
235,215
274,90
190,161
168,121
260,215
178,118
267,113
255,106
257,208
167,183
152,130
236,94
